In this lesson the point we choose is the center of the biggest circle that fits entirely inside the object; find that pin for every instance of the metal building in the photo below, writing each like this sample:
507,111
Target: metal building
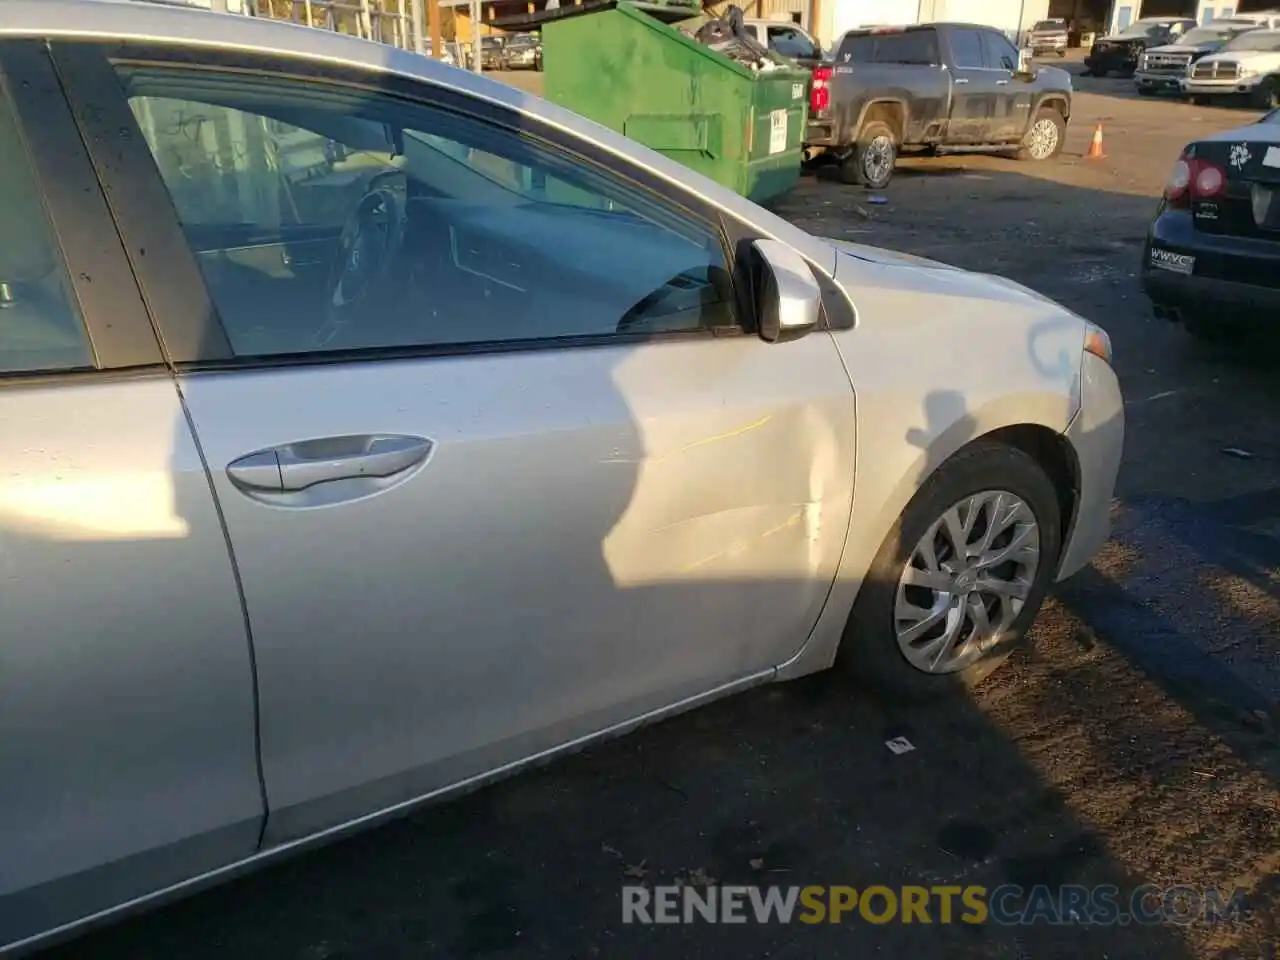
1013,17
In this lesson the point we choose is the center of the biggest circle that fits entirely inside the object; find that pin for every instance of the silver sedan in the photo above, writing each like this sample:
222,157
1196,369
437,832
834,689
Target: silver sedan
372,429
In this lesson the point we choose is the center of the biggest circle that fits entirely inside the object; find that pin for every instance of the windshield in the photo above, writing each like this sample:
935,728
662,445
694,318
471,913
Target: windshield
1256,40
1199,35
490,43
1049,25
1144,28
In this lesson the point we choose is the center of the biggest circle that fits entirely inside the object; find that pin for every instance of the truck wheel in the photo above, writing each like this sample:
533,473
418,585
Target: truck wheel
1146,91
872,159
1266,95
1044,139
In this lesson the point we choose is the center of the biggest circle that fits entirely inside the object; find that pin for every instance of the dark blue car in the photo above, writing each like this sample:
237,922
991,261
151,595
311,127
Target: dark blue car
1212,256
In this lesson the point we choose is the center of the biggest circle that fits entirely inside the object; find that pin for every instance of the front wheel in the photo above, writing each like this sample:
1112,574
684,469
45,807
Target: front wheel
1045,137
1266,96
872,159
1146,91
960,578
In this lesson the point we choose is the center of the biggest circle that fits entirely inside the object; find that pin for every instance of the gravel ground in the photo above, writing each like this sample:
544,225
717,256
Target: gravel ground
1135,742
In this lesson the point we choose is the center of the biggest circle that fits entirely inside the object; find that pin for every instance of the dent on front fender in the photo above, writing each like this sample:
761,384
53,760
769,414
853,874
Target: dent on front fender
938,359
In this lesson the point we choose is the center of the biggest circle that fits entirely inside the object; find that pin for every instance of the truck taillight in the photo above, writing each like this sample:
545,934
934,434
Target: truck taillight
1194,179
820,92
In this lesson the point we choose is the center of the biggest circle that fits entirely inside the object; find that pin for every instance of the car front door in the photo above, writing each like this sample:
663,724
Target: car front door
975,88
127,750
1011,108
517,471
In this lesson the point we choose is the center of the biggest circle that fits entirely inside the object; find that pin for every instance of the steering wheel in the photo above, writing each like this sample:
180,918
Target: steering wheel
370,244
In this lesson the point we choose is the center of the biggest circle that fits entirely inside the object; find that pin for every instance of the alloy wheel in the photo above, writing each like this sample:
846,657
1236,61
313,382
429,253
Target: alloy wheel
877,159
1042,140
966,581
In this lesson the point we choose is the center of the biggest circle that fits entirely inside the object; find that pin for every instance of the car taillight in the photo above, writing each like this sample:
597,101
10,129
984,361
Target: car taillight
1194,179
820,92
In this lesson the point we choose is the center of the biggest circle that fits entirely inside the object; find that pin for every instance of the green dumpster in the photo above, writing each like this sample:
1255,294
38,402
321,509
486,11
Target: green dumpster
620,65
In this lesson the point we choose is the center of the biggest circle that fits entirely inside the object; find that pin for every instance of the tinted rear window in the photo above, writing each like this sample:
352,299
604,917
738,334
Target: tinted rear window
857,49
909,47
913,46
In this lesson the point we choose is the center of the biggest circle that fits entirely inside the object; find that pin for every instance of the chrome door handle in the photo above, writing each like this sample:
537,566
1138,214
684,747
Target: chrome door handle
1001,83
960,80
297,466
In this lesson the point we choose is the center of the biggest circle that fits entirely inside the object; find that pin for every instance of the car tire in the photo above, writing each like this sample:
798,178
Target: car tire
1045,136
1062,54
871,161
871,650
1146,91
1266,95
1196,101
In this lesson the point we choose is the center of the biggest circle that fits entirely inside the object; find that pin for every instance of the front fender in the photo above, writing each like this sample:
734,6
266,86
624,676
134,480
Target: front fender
938,359
1051,97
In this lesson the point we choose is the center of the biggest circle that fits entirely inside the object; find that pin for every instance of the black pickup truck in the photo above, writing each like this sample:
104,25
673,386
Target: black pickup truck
933,86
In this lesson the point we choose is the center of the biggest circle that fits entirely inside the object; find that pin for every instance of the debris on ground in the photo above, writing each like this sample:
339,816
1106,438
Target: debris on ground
700,878
899,745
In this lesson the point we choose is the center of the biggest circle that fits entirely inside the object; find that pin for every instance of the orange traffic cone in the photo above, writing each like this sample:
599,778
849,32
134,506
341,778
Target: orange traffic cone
1095,146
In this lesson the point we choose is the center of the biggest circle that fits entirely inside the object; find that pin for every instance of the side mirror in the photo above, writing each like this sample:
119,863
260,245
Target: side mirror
788,298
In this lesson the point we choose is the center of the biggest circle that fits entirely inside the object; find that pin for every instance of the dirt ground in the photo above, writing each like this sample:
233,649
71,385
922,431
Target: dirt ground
1135,742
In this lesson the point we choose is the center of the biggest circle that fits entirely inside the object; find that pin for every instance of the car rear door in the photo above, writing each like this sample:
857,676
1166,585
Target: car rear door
533,479
127,748
1011,107
975,88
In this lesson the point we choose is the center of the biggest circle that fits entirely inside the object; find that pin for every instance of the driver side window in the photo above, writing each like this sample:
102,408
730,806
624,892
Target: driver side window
325,220
999,52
